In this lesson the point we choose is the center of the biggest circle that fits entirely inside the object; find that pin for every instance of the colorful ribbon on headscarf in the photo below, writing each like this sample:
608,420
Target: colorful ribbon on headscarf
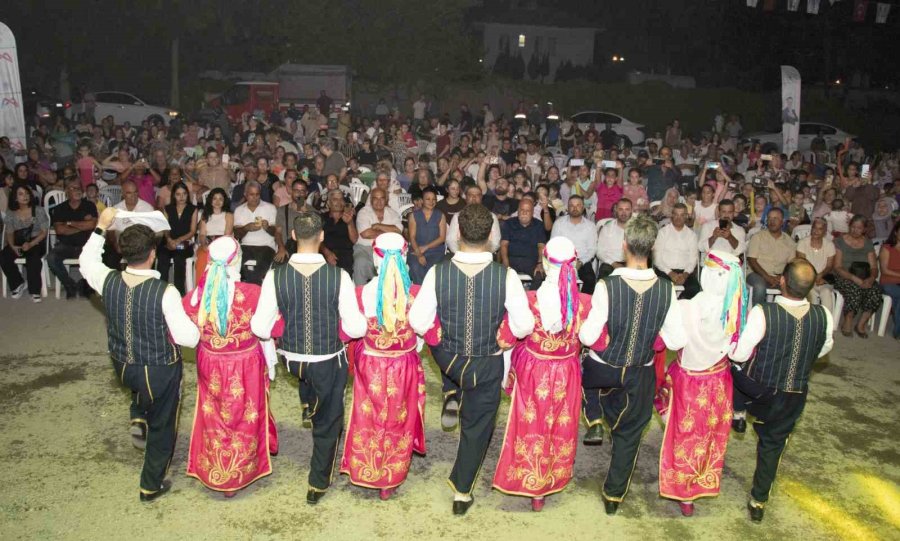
213,292
393,288
734,307
568,288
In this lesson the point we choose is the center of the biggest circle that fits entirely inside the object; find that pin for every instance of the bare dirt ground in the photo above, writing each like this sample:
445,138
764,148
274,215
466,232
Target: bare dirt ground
70,471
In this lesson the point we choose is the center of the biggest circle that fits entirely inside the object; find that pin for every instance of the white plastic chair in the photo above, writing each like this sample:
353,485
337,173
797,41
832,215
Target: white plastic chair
403,199
53,198
604,222
357,190
112,194
886,305
802,231
20,261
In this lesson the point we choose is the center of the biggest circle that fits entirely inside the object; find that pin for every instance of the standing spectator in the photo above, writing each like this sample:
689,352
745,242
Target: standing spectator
856,269
178,242
581,231
254,227
216,221
662,176
609,192
862,195
427,233
767,254
818,249
522,244
324,103
26,228
340,232
145,178
673,134
284,224
729,239
420,108
73,222
611,238
373,219
213,174
889,260
335,164
675,253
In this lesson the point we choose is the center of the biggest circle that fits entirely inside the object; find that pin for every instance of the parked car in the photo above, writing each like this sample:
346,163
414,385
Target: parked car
123,107
771,140
630,131
39,106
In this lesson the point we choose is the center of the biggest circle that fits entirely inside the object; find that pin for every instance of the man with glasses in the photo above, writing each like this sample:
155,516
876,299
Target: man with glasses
373,219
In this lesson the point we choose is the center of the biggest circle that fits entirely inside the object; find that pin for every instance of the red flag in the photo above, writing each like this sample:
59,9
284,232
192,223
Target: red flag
768,5
859,10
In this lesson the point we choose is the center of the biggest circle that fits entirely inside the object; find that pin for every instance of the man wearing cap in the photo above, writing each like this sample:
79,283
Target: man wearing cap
470,294
316,301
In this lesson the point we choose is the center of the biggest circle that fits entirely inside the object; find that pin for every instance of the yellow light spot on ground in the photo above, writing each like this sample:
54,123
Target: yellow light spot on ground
830,517
885,495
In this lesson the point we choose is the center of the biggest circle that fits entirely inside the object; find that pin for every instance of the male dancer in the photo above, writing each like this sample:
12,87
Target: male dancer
314,299
788,336
146,324
636,306
470,295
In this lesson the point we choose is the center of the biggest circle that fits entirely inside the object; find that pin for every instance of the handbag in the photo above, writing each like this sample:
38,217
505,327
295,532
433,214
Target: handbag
860,269
21,236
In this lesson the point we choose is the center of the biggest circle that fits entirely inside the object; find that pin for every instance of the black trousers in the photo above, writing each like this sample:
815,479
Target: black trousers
263,255
691,285
55,258
33,266
478,380
165,258
775,416
322,388
626,400
588,278
156,394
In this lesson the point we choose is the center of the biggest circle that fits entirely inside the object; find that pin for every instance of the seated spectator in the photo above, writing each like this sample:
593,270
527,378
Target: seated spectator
611,239
216,221
212,173
767,254
178,242
73,222
583,233
287,246
889,262
883,218
373,219
741,211
145,178
818,249
340,232
729,239
675,253
473,197
857,274
452,203
499,202
427,234
27,226
254,227
522,245
663,211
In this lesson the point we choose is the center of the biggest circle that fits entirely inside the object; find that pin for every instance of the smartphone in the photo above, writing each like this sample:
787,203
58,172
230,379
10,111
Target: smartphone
493,160
723,223
576,162
713,165
608,164
225,158
864,171
766,157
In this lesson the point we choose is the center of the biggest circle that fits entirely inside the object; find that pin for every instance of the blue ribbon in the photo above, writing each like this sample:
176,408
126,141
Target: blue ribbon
397,256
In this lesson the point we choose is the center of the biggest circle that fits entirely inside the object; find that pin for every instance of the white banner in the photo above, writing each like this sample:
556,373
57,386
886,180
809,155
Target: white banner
12,113
881,14
812,7
751,3
790,108
793,5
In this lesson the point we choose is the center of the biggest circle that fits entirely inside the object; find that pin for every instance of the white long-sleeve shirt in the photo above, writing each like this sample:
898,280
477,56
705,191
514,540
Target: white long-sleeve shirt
424,309
675,249
582,234
672,331
610,241
182,329
452,240
721,244
353,322
755,329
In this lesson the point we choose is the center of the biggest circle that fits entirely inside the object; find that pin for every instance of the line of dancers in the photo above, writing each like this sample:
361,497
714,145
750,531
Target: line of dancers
487,335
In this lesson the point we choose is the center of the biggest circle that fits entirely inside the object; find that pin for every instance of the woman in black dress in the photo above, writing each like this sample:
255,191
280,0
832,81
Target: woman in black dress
178,242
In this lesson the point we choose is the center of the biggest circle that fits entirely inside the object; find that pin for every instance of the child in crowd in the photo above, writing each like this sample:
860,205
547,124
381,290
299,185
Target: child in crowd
87,165
838,219
636,192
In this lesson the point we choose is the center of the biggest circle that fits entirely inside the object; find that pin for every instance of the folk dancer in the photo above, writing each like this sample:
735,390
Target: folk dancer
234,431
538,451
146,325
470,294
636,307
788,335
316,301
695,398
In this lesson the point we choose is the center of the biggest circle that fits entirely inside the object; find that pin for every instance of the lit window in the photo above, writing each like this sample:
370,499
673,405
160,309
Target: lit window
521,40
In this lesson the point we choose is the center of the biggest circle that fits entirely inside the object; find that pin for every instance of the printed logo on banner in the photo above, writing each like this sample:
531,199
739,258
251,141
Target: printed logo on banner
8,57
812,7
9,101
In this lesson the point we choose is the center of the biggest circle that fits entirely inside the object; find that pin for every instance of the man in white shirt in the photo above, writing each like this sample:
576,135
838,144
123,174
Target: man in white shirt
470,295
731,239
315,299
783,339
473,197
578,228
131,202
675,253
419,107
635,306
610,239
146,324
373,219
255,227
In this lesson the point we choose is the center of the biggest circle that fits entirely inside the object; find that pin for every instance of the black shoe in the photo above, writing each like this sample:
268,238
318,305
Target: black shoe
71,293
138,433
306,417
610,506
739,425
460,508
594,435
450,413
313,496
166,485
84,289
756,513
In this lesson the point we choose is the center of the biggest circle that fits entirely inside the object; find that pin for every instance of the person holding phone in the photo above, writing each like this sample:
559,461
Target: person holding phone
767,254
